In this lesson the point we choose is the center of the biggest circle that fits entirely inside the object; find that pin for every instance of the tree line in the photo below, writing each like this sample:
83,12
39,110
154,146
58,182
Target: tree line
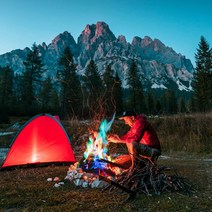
69,94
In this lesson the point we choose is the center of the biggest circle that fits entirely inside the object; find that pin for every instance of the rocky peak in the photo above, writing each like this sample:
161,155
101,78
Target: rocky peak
63,36
102,29
158,45
88,29
94,32
122,39
44,45
146,41
61,41
87,33
136,41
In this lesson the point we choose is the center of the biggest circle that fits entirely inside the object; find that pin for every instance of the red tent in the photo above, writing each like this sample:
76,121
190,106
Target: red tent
41,140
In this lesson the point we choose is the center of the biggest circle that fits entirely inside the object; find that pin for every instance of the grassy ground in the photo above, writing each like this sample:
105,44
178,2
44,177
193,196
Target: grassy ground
28,190
186,139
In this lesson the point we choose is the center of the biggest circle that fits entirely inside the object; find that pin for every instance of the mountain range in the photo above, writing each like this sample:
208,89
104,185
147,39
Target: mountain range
159,65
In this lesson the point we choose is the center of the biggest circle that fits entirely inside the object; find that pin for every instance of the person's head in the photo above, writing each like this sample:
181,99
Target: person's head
128,117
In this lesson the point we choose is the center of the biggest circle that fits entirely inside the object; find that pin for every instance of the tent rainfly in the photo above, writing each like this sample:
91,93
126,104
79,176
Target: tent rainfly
41,140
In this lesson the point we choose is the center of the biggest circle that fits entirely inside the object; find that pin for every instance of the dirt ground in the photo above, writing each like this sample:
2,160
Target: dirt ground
28,190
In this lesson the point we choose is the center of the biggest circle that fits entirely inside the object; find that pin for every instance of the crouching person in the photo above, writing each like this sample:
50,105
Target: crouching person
141,139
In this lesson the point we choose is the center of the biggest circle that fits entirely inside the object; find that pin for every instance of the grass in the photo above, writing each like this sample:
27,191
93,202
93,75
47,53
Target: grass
28,190
186,139
190,133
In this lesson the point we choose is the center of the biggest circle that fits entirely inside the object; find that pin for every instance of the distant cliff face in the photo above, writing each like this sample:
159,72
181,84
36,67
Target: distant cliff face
159,65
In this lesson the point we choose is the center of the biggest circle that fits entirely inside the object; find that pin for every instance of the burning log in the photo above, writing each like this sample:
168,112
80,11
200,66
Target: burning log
112,163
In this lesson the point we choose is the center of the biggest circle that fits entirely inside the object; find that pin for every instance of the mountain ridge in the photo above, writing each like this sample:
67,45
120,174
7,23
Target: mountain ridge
158,64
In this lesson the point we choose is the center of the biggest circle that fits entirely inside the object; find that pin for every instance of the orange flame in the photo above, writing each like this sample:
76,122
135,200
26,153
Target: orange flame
97,145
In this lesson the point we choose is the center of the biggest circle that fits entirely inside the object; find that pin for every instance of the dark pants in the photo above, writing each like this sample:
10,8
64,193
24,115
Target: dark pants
141,149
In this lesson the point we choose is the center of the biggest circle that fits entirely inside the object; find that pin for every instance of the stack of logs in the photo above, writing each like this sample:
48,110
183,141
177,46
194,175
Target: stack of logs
147,178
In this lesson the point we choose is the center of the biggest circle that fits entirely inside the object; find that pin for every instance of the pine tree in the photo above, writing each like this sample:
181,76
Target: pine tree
45,95
158,107
70,85
192,105
113,91
150,103
172,101
210,90
6,87
137,102
118,94
32,78
169,102
182,106
6,93
93,88
18,101
108,81
54,102
202,77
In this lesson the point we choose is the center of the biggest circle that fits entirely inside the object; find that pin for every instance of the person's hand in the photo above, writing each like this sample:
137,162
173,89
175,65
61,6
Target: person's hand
110,138
113,138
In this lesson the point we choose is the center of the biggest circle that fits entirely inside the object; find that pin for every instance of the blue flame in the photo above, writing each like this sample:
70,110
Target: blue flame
97,146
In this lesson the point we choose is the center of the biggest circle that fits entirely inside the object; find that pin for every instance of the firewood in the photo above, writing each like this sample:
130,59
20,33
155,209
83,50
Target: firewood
147,178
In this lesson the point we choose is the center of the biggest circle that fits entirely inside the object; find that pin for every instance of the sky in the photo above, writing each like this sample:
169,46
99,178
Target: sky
179,24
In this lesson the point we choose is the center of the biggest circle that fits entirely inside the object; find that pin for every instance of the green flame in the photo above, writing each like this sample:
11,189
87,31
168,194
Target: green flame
98,146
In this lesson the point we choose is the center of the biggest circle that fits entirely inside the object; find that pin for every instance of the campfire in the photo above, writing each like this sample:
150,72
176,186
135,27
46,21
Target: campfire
98,170
94,163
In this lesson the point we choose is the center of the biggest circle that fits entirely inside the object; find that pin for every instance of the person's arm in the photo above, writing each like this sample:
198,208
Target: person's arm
135,133
115,139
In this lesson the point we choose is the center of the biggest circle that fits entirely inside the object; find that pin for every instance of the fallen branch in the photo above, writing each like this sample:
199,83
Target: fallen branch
111,163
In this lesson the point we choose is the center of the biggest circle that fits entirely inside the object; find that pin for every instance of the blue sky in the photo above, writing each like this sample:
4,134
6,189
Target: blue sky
177,23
